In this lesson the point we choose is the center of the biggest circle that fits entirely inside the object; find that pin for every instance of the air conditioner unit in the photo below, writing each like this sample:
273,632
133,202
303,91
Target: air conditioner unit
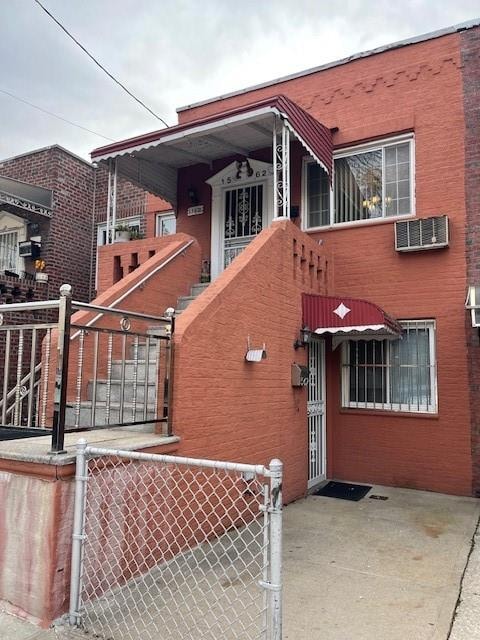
421,234
473,305
29,249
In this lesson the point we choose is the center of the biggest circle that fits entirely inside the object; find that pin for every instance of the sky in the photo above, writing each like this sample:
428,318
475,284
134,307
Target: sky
175,52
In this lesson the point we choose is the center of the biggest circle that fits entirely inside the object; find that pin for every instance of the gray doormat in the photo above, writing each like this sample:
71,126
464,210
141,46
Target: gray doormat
343,491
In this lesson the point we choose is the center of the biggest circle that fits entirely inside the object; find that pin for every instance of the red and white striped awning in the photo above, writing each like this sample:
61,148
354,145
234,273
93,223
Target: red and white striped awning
348,318
152,160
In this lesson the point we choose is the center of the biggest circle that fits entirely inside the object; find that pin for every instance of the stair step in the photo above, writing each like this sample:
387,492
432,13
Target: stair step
128,391
197,289
129,370
184,301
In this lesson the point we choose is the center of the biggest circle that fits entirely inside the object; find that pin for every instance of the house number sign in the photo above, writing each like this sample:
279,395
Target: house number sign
195,211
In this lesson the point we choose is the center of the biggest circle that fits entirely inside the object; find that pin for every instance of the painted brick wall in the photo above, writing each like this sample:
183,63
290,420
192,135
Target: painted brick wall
470,44
224,407
417,88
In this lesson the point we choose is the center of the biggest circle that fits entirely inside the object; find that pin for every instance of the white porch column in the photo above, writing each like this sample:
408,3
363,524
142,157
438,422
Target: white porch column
281,170
111,201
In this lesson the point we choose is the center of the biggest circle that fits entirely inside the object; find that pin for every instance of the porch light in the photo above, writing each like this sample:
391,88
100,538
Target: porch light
192,196
303,339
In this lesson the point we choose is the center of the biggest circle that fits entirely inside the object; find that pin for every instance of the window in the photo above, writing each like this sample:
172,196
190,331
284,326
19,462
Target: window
166,223
9,259
132,223
374,182
397,375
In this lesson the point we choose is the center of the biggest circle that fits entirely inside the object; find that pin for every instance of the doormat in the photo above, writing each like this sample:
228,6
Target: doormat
344,491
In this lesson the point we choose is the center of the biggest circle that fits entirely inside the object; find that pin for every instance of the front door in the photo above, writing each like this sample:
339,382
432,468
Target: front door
243,219
316,412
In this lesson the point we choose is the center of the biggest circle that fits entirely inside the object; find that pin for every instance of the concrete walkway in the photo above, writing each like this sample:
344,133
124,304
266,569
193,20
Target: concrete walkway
369,570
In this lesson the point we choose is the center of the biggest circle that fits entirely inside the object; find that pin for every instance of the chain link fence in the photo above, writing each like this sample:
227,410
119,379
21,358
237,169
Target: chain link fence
175,548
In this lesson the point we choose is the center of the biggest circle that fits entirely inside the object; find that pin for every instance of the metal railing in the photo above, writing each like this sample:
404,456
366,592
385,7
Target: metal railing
172,547
78,372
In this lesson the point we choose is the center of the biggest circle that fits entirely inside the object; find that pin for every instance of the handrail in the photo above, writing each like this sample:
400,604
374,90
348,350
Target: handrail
121,312
146,277
30,306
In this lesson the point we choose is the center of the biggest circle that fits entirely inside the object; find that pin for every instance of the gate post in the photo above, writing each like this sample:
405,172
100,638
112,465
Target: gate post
276,473
78,536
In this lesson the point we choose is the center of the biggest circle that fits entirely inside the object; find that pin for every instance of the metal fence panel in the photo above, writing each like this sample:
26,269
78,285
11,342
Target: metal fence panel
168,547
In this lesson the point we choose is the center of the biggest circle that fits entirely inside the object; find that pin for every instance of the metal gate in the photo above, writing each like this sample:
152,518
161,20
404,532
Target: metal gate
316,412
175,548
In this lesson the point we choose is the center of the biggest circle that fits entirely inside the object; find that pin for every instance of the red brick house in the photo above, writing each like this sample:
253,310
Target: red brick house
339,204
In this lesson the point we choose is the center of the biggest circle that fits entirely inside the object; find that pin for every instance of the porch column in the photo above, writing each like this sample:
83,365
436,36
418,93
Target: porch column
111,201
281,169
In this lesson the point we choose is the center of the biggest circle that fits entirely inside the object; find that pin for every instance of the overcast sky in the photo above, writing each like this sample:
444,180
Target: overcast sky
175,52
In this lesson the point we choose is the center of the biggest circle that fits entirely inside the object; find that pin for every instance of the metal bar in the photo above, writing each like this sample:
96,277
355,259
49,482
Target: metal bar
61,376
145,381
32,379
122,377
29,306
122,312
78,538
109,378
135,377
94,379
276,473
114,199
239,467
18,390
109,201
275,176
169,375
82,327
78,394
45,375
6,373
266,560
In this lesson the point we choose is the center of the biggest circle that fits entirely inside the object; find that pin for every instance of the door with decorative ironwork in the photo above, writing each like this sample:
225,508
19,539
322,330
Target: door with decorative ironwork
244,219
316,412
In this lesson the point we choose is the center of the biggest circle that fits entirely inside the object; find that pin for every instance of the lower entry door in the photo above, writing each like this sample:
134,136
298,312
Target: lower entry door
316,412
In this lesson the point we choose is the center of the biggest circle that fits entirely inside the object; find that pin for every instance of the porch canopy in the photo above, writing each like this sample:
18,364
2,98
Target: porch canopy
152,160
348,319
28,197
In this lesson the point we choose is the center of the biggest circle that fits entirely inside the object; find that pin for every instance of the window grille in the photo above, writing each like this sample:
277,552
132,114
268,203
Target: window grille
9,259
396,375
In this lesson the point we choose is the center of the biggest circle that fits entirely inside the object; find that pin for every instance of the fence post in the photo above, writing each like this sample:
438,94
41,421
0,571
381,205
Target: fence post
276,473
61,374
78,536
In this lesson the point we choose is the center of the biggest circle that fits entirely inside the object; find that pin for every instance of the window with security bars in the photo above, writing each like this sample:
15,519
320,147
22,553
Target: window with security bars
372,182
9,258
396,375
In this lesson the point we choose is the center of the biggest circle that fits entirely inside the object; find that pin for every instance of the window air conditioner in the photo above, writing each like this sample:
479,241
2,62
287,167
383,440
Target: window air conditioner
421,234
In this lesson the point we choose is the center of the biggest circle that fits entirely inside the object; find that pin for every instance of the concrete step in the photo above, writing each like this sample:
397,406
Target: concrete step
183,302
128,391
101,414
197,289
130,370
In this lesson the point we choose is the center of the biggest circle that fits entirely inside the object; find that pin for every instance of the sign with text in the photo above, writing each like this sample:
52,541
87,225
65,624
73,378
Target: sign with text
195,211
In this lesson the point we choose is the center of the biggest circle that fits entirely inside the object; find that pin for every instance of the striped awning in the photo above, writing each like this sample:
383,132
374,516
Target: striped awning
152,160
348,318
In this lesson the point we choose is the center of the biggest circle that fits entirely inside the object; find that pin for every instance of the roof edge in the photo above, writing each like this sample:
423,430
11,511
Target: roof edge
431,35
43,149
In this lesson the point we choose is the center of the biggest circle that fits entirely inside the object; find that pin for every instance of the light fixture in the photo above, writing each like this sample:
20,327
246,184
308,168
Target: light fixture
192,195
303,339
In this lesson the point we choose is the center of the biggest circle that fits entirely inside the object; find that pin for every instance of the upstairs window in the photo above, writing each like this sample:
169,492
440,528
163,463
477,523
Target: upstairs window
369,182
166,223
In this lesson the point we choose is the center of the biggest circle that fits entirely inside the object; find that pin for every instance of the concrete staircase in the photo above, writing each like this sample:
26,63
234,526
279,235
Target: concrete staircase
109,412
184,301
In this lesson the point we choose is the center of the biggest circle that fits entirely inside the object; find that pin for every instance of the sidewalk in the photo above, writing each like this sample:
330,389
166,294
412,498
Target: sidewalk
466,623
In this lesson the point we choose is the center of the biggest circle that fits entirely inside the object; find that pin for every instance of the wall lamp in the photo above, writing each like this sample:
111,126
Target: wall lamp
303,339
192,196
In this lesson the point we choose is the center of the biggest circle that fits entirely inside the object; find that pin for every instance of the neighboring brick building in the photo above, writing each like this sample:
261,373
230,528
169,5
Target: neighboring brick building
395,131
78,210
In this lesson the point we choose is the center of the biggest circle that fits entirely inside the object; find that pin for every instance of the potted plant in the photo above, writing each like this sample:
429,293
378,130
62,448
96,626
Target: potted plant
136,235
122,233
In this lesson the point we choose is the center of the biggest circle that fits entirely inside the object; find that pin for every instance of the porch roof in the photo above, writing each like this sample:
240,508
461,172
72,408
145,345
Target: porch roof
348,318
153,159
26,196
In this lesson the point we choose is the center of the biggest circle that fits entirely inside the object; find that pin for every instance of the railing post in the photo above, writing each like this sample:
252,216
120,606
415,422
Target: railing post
169,378
78,537
61,374
275,582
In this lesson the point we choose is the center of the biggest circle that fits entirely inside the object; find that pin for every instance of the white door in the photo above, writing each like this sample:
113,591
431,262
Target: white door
316,412
244,218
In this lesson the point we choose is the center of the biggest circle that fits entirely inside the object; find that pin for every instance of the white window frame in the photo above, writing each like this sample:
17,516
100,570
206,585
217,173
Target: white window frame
10,223
388,405
355,150
133,221
162,215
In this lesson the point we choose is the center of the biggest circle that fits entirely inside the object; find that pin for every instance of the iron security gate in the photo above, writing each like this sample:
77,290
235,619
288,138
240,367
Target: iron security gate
175,548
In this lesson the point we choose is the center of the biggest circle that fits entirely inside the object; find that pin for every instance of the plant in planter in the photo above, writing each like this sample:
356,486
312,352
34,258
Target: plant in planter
136,235
122,233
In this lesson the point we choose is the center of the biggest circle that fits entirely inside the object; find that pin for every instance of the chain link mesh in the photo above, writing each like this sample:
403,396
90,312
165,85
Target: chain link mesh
173,551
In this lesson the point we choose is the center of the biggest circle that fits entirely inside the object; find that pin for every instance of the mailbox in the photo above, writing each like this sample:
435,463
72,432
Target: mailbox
299,375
